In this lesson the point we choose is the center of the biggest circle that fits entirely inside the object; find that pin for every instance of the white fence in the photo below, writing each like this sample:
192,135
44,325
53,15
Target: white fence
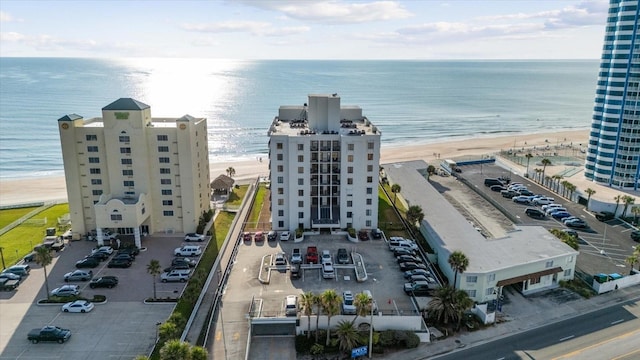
380,323
611,285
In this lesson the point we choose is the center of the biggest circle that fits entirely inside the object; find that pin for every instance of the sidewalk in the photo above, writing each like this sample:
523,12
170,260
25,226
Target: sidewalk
522,314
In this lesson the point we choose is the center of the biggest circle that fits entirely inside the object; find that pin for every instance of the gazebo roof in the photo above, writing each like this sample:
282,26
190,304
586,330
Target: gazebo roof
222,182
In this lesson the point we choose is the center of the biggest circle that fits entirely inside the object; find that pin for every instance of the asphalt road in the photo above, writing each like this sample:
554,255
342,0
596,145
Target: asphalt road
605,331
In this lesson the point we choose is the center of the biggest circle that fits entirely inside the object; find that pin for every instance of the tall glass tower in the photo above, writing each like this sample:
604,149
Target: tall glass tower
613,154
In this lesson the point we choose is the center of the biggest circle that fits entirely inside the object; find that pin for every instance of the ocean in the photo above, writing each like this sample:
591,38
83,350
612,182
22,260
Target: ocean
411,102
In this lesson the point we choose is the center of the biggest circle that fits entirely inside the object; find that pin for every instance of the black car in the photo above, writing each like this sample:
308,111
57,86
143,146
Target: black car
635,235
119,263
604,215
87,263
104,281
403,251
408,258
343,256
272,235
535,213
183,261
177,267
376,234
411,266
497,188
131,250
124,256
100,256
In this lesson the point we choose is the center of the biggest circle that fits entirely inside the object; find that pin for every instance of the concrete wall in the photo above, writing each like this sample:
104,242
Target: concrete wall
616,284
380,322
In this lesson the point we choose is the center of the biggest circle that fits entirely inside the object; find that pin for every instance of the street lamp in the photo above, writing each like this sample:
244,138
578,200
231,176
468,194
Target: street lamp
371,322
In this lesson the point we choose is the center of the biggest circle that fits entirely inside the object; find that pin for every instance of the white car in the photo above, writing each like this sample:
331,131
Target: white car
326,257
103,249
175,275
108,235
78,306
549,206
348,305
194,237
280,259
285,236
66,290
188,250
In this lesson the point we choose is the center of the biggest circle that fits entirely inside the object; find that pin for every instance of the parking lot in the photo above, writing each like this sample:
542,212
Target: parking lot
121,328
601,251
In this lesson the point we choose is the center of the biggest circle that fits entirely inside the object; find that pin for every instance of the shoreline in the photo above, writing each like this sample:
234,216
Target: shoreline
53,188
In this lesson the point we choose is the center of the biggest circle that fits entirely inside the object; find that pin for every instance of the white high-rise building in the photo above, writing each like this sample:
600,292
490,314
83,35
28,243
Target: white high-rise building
134,174
324,165
613,154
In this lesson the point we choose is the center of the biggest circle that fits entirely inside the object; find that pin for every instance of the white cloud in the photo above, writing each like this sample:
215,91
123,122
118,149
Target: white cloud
5,17
585,13
335,11
251,27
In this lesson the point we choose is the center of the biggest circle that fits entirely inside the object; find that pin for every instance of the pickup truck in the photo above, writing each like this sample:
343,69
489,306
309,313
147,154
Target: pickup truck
8,284
312,255
49,333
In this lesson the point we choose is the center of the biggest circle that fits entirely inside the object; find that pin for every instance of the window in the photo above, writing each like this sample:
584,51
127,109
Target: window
280,191
165,181
300,170
92,149
300,192
472,293
163,149
300,158
280,212
163,138
300,203
116,217
281,203
300,181
350,147
567,272
491,277
165,171
279,146
349,181
280,224
349,214
367,223
128,183
472,279
369,168
127,172
489,291
280,180
300,147
369,191
167,213
301,215
350,158
369,179
534,281
96,192
279,157
125,150
124,138
370,145
94,171
368,212
349,203
569,259
167,202
349,169
549,264
94,160
280,168
166,192
164,160
96,181
369,156
91,137
369,201
126,161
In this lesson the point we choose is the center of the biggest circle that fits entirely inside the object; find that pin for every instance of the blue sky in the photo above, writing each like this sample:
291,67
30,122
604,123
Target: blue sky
339,29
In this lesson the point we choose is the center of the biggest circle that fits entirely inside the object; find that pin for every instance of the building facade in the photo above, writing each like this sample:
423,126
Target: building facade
134,174
324,161
613,154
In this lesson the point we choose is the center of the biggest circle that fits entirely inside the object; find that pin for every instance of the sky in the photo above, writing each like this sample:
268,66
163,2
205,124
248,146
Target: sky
304,29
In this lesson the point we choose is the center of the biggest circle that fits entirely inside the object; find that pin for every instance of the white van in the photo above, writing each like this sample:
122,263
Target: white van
375,305
291,305
188,250
327,271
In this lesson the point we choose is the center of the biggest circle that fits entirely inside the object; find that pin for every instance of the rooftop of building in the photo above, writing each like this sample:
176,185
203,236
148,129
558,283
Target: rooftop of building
453,232
126,104
300,127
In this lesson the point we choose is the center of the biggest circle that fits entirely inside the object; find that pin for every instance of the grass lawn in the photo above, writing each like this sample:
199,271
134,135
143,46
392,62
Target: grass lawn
254,216
388,221
236,196
20,240
10,215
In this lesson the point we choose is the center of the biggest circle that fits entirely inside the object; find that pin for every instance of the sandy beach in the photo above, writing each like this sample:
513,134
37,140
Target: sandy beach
21,191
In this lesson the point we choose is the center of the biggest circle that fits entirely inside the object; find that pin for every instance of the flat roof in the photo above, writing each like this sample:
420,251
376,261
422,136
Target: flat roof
452,231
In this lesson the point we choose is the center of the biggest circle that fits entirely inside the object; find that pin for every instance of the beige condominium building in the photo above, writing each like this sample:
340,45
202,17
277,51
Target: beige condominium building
324,164
134,174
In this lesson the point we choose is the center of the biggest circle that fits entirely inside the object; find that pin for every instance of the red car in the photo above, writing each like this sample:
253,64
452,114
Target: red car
258,237
312,255
246,236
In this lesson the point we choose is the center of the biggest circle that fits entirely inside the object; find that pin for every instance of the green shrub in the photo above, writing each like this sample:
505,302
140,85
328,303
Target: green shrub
317,349
412,340
387,338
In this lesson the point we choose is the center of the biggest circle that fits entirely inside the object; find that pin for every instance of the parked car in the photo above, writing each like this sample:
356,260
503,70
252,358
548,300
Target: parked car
509,194
410,273
66,290
78,275
78,306
415,278
175,276
88,262
525,192
296,256
604,215
105,249
194,237
521,199
280,259
348,306
10,276
558,215
550,206
535,213
411,266
188,250
490,182
183,260
343,256
376,234
258,237
550,211
131,250
107,281
312,255
100,256
326,256
291,305
246,236
295,271
569,219
373,301
177,267
497,188
124,256
119,263
49,333
328,271
577,223
543,201
418,288
22,270
403,251
285,236
635,235
109,235
408,258
363,235
272,235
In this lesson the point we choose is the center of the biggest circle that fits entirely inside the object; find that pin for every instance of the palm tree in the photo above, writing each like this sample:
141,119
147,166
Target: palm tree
547,181
544,163
448,305
632,260
565,187
617,200
330,301
348,337
571,189
395,189
154,269
636,212
363,305
231,171
538,174
44,258
528,156
317,300
557,179
589,192
628,200
459,263
430,171
415,214
307,300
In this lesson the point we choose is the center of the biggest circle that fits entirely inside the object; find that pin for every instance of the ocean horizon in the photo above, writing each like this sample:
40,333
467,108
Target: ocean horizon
411,101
